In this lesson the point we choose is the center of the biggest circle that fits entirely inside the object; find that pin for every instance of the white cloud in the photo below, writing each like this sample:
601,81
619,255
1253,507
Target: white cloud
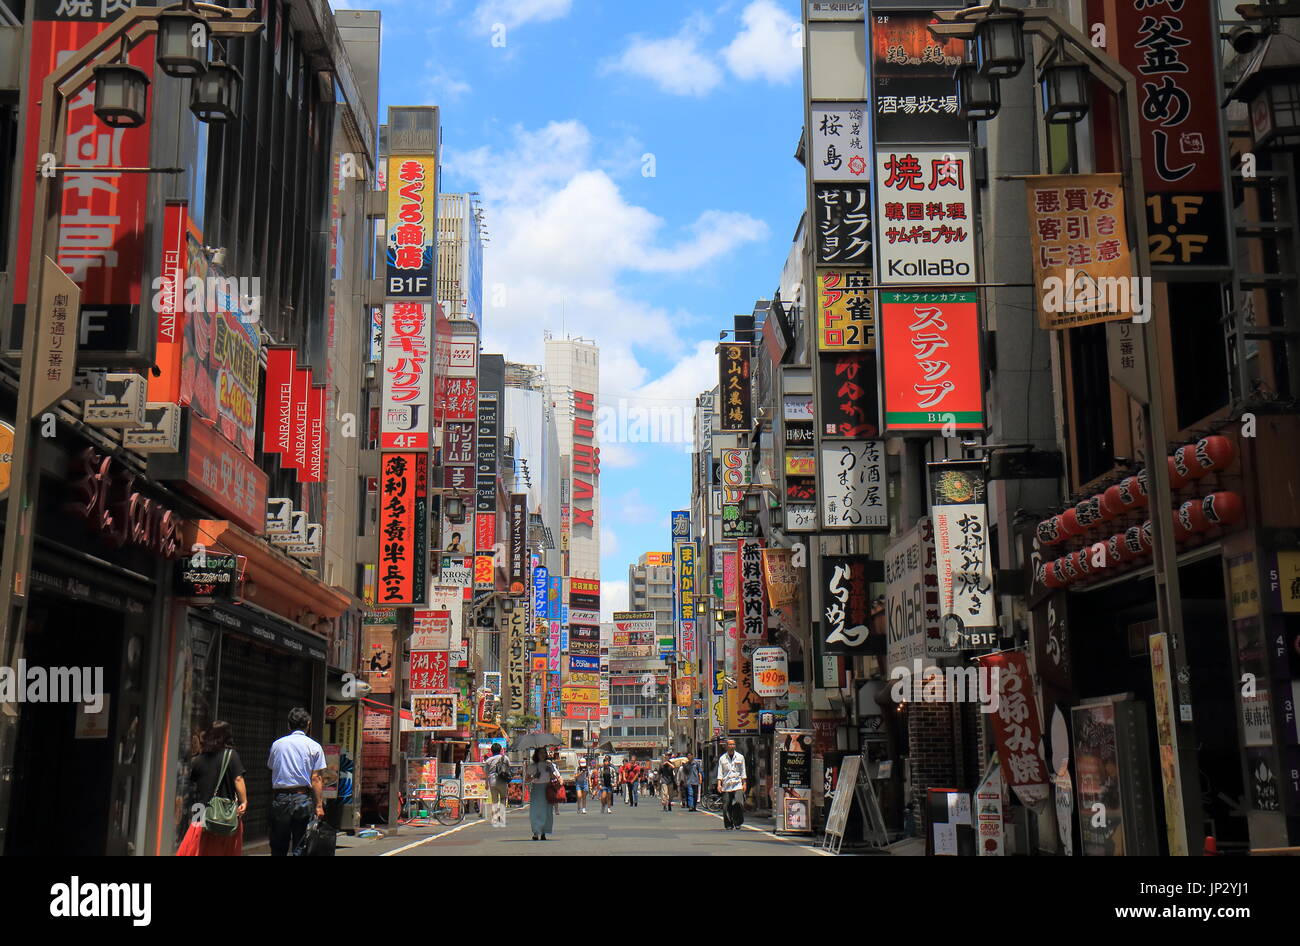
767,47
613,597
512,13
630,507
441,87
608,542
676,63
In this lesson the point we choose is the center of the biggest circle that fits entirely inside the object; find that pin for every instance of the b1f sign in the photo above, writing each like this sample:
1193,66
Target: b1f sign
925,229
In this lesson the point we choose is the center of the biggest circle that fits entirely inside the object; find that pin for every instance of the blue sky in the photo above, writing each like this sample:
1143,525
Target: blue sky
636,165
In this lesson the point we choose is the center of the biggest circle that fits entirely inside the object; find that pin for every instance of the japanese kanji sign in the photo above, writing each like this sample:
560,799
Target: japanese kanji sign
403,528
56,336
516,626
931,349
924,217
412,222
853,485
912,599
733,369
781,576
848,400
1081,251
844,319
1017,729
841,142
962,553
846,598
405,417
843,234
751,602
1168,45
518,542
914,77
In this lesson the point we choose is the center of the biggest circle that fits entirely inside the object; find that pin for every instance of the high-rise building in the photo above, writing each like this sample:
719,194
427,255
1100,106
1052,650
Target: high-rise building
460,256
572,384
650,588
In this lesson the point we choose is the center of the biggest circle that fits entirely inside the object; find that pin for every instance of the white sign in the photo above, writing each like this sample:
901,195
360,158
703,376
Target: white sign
988,814
912,600
800,517
310,545
406,415
962,557
123,408
925,227
771,671
836,9
161,432
841,142
457,572
584,617
279,517
451,599
853,485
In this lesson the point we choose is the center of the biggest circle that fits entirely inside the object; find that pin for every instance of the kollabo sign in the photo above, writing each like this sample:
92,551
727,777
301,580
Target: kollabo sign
771,672
925,227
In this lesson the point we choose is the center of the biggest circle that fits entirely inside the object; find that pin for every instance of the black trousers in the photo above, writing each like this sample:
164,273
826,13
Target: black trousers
733,808
291,812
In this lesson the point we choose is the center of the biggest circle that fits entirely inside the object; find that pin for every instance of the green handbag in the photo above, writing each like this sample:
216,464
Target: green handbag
221,815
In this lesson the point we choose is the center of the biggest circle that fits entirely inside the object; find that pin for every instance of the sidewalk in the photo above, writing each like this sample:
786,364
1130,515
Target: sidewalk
352,846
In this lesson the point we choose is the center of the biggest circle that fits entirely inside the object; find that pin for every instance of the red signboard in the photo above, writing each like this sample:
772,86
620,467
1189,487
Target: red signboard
277,418
313,470
429,670
931,350
297,455
166,385
458,397
485,531
586,459
403,528
584,586
1016,726
220,476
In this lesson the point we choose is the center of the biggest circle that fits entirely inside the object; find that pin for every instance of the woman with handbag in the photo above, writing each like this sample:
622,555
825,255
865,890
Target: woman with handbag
547,791
218,778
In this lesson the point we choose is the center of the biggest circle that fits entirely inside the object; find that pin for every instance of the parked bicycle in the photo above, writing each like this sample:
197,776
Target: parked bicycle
711,801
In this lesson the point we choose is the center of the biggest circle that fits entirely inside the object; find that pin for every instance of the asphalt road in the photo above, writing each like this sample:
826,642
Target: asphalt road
645,830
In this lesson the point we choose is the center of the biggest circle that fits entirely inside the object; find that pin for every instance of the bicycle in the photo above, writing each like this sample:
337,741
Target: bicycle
448,810
711,801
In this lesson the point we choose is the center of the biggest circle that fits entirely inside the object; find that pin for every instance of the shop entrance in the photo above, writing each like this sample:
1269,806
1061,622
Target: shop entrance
63,800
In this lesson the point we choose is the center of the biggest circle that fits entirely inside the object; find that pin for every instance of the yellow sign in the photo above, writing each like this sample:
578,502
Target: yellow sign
6,456
575,694
845,321
1243,587
1288,576
658,558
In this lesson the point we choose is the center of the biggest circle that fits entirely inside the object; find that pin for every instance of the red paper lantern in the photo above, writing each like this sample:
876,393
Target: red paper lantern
1049,531
1177,478
1181,533
1145,538
1069,523
1131,548
1088,512
1113,504
1137,488
1185,461
1052,576
1114,551
1223,509
1214,453
1192,515
1083,561
1065,567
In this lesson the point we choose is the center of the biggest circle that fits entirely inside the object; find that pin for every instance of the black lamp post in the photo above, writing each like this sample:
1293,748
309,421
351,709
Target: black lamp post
182,41
121,93
1270,87
978,96
1000,42
215,94
1064,85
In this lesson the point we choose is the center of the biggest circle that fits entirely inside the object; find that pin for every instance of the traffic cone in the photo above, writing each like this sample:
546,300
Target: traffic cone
1211,846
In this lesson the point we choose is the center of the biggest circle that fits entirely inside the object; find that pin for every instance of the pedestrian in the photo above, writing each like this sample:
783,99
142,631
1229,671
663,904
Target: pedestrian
608,784
667,782
216,771
688,778
297,762
541,810
580,786
630,773
732,781
498,779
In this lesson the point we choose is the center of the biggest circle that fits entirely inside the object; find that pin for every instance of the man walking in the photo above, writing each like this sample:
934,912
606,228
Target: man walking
498,779
732,782
689,774
630,773
297,762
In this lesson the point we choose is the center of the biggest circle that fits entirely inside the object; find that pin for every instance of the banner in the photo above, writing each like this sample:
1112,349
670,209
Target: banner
781,577
751,605
314,470
853,490
733,373
406,408
844,311
1083,262
281,363
925,216
412,225
847,399
743,704
933,376
403,528
1168,45
847,603
1017,729
967,608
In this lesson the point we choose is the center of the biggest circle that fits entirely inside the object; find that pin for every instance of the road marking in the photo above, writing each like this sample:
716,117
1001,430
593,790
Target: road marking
777,837
432,837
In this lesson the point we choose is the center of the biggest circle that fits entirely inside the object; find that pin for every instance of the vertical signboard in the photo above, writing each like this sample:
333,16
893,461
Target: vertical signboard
685,557
586,462
844,311
924,216
751,604
486,473
843,234
853,485
733,373
518,542
912,600
932,372
962,553
516,661
846,600
841,142
412,224
405,418
403,529
281,364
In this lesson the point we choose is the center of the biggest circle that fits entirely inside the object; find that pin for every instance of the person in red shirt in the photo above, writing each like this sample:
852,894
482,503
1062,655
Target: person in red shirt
630,773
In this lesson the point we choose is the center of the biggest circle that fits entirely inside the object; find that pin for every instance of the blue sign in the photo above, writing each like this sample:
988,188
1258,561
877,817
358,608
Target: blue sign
553,599
681,526
564,638
564,613
584,663
540,584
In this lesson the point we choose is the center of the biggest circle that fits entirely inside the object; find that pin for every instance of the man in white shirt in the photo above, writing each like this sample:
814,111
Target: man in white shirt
732,782
296,763
498,779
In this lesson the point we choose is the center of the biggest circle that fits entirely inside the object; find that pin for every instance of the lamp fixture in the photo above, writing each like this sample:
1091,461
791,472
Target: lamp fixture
182,41
214,95
121,93
1064,84
978,96
1000,42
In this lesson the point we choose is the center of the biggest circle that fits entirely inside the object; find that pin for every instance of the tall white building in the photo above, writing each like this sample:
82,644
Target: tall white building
460,256
573,384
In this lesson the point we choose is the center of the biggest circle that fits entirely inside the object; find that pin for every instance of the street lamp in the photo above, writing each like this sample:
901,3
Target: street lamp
978,96
121,93
1064,84
215,94
455,510
1000,42
752,504
182,41
1270,88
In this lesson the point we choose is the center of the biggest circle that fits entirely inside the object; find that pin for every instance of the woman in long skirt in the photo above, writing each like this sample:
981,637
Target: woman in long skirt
541,814
208,779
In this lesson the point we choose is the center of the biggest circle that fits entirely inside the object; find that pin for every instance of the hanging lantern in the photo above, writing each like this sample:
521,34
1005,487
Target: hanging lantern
1215,453
1065,567
1270,87
1142,487
978,97
1064,85
214,96
1120,497
1049,532
1192,515
1223,509
121,93
1052,575
1181,533
1070,523
1184,461
1083,561
182,41
1146,538
1113,554
1000,42
1088,512
1132,546
1177,480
